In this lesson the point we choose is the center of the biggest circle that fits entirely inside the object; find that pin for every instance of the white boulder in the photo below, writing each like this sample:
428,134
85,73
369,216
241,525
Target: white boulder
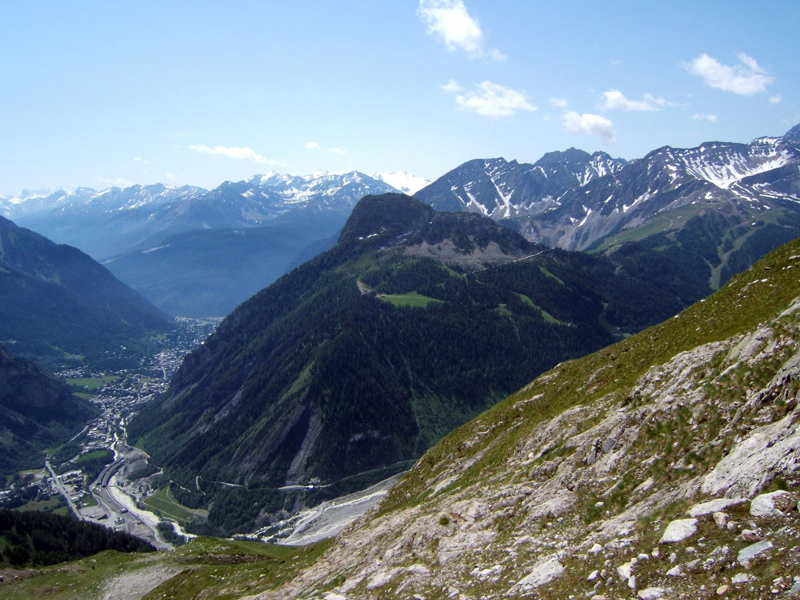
679,530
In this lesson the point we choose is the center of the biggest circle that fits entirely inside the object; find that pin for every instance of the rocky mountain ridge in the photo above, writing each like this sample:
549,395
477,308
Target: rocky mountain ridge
665,466
574,200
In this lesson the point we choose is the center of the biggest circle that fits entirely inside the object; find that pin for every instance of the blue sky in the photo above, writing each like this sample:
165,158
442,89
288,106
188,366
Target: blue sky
111,93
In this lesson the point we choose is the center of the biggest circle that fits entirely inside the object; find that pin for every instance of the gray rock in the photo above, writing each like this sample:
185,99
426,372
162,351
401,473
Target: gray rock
679,530
752,551
769,505
741,578
674,571
751,535
543,572
625,570
712,506
721,519
653,593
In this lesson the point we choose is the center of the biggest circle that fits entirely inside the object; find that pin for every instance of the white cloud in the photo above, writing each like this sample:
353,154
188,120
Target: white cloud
316,146
616,100
591,124
559,102
171,176
775,99
493,100
233,152
661,102
138,159
704,117
452,87
746,79
496,55
449,22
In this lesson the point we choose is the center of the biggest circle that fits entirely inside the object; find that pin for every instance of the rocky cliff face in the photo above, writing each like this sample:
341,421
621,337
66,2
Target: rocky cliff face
24,386
36,412
663,466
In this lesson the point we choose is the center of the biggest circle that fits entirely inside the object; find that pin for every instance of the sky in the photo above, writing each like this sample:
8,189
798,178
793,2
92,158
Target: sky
102,94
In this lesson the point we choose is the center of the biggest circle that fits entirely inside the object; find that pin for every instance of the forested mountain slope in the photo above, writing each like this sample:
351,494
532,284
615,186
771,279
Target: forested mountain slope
362,358
56,301
664,466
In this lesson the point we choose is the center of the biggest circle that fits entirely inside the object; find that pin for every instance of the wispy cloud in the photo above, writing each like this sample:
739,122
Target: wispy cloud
616,100
234,152
591,124
452,87
775,99
316,146
493,100
705,117
449,22
746,79
559,102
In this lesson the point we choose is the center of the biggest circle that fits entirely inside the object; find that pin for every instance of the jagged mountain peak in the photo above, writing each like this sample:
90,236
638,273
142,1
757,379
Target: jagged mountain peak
570,155
572,199
793,135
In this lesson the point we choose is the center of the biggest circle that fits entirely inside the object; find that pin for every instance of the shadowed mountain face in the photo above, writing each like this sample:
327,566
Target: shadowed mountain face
363,357
56,301
36,412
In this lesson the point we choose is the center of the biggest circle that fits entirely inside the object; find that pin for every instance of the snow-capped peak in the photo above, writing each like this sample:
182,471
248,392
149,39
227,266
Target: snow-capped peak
405,182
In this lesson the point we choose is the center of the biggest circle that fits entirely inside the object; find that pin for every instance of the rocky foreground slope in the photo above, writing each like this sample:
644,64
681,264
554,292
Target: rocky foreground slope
663,466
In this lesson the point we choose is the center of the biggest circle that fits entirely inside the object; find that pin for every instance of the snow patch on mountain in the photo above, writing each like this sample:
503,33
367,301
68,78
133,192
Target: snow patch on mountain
402,181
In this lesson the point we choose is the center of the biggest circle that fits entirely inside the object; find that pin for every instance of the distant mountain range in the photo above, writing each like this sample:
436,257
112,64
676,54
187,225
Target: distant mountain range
194,252
718,206
363,357
55,301
722,204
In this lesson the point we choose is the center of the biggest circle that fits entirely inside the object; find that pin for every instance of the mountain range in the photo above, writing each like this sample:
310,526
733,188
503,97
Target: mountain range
724,204
200,253
357,361
718,206
663,466
57,302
